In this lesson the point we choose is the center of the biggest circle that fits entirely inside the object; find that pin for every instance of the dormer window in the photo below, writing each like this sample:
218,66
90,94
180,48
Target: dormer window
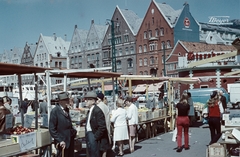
58,54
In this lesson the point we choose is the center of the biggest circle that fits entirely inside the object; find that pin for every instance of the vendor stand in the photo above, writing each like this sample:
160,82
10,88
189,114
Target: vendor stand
17,148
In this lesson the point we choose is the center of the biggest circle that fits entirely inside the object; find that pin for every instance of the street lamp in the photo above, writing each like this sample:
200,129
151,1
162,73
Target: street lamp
114,63
164,66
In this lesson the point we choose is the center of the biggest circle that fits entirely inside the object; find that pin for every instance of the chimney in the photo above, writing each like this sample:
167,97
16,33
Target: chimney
65,37
54,36
92,22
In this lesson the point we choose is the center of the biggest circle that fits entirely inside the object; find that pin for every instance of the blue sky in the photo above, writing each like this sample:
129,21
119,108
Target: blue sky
23,20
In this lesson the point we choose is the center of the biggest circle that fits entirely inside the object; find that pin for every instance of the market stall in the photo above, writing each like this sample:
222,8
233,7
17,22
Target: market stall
9,146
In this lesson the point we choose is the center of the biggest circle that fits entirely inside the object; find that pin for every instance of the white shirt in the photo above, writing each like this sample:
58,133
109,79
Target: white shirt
88,127
132,115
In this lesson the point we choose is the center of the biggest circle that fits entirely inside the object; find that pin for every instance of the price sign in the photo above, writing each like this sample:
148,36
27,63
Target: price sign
45,120
27,141
28,121
9,121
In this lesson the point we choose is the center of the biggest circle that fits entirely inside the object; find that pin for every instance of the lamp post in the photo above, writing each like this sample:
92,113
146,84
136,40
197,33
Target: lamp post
164,66
114,64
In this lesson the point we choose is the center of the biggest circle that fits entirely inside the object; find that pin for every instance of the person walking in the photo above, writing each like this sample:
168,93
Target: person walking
120,125
60,127
96,129
222,98
215,110
43,107
191,114
182,111
132,117
104,108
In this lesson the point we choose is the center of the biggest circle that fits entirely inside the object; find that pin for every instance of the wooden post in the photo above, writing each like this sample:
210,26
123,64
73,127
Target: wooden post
130,87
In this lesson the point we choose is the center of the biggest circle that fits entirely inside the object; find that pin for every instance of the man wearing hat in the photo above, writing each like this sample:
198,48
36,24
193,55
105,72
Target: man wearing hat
60,127
105,109
96,130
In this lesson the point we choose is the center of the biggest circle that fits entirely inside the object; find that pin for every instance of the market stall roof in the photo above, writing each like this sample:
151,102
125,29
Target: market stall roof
155,87
140,88
11,69
84,73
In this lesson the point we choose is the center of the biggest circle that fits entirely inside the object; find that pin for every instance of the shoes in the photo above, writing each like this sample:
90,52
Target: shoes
119,154
179,149
131,150
187,148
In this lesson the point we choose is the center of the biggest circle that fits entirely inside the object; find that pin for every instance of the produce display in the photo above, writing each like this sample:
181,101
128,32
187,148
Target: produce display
19,130
198,106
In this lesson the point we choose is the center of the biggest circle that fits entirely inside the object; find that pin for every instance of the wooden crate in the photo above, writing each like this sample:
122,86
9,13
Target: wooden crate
216,150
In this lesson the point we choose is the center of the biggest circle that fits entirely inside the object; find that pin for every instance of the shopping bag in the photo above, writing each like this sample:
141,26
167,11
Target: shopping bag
174,137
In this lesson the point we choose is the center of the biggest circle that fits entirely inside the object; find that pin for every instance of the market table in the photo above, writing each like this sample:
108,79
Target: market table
150,126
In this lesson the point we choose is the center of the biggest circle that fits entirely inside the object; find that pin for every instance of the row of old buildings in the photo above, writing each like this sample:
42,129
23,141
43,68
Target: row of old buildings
162,43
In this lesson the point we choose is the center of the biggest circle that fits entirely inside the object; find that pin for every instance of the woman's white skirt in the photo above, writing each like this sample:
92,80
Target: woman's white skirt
120,133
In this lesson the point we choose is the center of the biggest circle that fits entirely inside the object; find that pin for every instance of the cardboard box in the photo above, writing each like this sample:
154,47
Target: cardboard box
216,150
81,134
164,112
236,134
229,138
155,114
9,149
26,141
145,115
43,137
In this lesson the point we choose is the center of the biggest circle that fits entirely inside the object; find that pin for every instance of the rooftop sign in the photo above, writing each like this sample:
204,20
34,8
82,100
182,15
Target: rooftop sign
219,20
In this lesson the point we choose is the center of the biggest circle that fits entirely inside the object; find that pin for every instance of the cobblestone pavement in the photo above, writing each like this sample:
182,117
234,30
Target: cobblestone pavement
163,146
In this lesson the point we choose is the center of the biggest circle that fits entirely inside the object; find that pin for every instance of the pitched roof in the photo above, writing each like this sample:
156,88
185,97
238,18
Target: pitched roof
56,44
132,19
82,34
204,47
32,48
169,13
101,31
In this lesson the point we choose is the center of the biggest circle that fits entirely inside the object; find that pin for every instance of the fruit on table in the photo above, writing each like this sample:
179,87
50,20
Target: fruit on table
21,130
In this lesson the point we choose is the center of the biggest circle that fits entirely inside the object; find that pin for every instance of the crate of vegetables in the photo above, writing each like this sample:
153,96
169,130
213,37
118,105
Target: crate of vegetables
25,137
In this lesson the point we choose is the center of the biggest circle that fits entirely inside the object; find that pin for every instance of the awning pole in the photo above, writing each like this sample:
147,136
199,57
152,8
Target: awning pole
48,93
36,101
20,97
65,83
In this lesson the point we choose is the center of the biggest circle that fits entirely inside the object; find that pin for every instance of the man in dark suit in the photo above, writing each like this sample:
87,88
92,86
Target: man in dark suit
96,130
60,127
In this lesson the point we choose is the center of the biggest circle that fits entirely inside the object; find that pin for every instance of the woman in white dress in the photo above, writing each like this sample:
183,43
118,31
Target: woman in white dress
120,125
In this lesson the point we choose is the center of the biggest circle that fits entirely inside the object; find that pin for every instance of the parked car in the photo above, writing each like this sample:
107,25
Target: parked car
203,94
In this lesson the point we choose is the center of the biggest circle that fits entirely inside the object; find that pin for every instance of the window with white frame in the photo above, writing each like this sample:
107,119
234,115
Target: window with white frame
132,50
116,52
120,52
126,38
151,60
163,45
88,48
130,63
150,33
169,44
145,48
93,57
105,54
96,46
140,62
92,45
162,31
140,49
145,35
145,62
126,50
79,59
88,57
119,64
141,73
152,47
156,32
145,72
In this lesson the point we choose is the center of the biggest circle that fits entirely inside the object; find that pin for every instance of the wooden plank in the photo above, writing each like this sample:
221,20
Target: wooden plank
213,59
232,73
